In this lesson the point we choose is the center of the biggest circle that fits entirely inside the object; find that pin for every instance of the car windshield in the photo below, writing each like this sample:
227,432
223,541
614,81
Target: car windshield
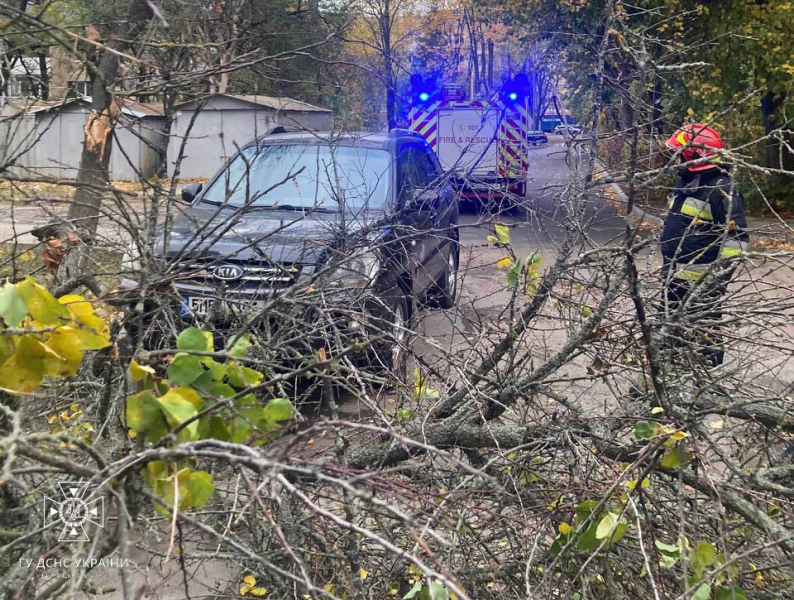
304,176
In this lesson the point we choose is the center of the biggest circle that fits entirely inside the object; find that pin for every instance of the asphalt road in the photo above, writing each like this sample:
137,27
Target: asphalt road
537,226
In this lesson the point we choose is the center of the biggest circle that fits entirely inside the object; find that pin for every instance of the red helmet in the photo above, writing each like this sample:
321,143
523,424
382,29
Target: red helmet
698,141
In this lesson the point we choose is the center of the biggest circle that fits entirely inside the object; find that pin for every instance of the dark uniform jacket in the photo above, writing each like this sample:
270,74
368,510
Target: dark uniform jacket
705,221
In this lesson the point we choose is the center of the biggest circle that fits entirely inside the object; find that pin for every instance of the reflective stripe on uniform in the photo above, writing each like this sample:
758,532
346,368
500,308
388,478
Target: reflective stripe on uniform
697,209
692,272
734,248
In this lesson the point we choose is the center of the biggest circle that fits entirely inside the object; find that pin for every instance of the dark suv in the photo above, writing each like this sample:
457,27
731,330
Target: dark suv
362,227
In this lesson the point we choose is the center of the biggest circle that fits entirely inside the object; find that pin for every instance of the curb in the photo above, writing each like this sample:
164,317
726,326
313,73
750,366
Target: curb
636,213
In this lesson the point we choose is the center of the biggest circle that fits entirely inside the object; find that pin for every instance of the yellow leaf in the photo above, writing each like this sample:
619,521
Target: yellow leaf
92,330
51,419
363,573
656,410
502,233
759,579
28,365
564,528
42,306
504,263
259,591
66,343
140,372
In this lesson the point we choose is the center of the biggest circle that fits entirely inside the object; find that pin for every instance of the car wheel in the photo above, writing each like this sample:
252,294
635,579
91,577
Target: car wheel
396,325
446,291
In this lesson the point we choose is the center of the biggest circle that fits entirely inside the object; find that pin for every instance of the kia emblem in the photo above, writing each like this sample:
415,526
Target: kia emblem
228,272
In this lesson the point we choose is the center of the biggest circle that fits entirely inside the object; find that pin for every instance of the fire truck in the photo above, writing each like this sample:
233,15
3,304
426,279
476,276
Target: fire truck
482,142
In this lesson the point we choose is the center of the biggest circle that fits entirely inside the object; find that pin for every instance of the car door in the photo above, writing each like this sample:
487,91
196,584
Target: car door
416,222
442,211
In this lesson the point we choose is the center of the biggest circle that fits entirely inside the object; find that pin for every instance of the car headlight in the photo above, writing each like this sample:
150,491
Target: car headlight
358,271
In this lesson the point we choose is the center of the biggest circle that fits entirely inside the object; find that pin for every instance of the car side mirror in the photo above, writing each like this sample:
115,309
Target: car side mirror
189,192
422,199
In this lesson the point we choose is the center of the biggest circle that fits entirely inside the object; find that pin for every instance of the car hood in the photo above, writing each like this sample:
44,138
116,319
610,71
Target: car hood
283,236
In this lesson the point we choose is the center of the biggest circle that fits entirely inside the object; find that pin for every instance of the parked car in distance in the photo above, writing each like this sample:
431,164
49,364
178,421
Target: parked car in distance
366,220
574,129
536,138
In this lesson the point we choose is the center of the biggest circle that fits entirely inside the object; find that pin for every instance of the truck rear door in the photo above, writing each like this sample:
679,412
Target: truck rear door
467,140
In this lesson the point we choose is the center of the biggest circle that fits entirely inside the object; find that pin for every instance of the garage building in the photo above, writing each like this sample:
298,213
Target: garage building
213,127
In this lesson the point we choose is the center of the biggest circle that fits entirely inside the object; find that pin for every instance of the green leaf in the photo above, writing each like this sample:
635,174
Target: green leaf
585,508
12,306
667,562
193,338
492,239
667,548
620,530
413,591
241,377
200,485
277,409
434,590
702,593
143,412
222,390
644,429
240,346
702,557
732,593
185,369
42,306
606,525
179,406
588,540
513,274
405,415
502,233
217,429
675,457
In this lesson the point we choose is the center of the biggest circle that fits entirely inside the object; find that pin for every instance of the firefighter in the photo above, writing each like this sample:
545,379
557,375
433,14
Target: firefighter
705,229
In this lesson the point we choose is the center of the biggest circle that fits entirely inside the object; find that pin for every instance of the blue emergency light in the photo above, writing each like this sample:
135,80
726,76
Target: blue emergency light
422,90
516,89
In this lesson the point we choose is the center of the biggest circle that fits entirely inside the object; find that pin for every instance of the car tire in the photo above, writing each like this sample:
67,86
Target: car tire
447,289
390,354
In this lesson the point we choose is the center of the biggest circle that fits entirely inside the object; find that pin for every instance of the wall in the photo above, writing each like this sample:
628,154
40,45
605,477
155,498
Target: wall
216,134
50,144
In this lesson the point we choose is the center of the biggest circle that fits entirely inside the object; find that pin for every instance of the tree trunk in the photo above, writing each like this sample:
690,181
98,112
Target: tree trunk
388,67
490,66
169,103
93,174
777,155
44,77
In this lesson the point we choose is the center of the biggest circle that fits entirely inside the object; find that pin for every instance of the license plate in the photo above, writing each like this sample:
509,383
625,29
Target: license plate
196,305
199,306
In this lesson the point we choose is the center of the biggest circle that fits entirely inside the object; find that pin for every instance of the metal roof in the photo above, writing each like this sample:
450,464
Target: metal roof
130,107
357,138
274,102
